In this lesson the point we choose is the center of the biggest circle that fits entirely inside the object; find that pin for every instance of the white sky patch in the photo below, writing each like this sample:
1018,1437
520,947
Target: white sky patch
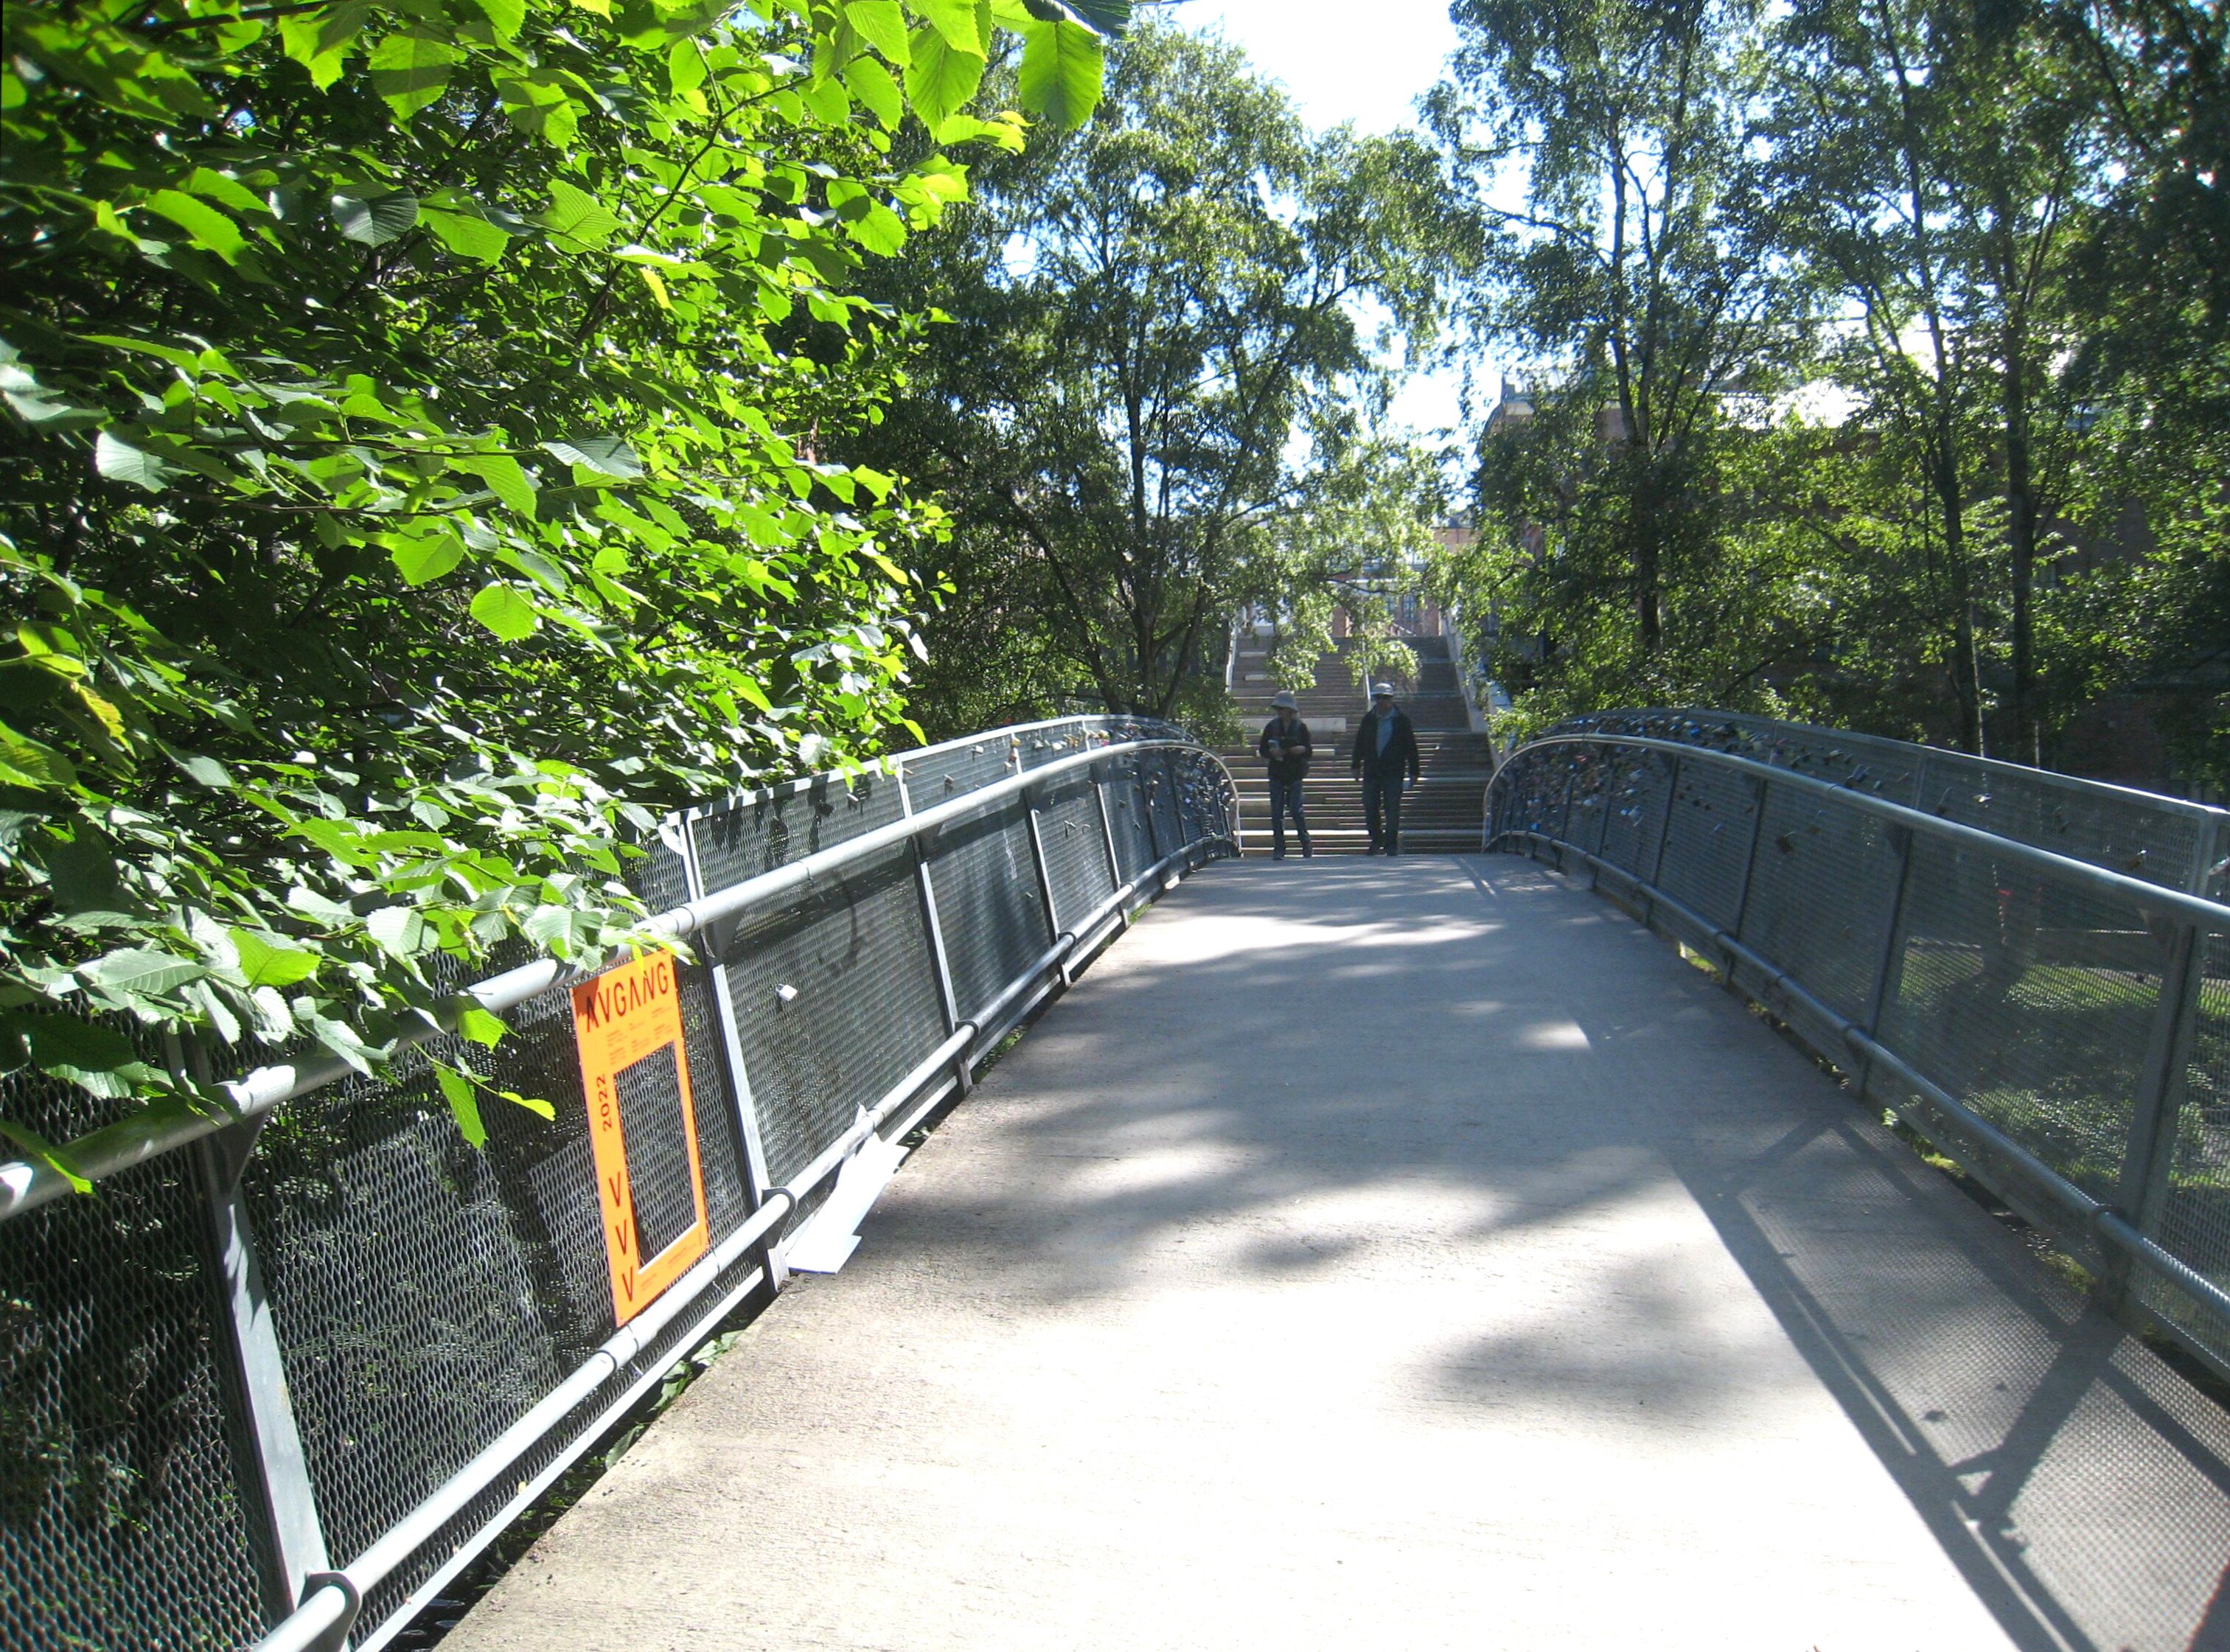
1371,76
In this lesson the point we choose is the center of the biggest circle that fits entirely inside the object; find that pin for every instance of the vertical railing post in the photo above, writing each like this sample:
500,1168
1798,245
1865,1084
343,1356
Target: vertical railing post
1108,827
269,1466
1146,803
1750,863
744,1113
1044,872
2149,1154
1664,833
948,1001
1888,960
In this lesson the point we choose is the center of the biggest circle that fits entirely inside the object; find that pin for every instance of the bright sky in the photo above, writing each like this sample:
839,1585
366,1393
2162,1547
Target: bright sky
1370,75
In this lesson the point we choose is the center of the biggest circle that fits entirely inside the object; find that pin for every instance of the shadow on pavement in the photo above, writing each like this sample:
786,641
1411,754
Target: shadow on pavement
2081,1489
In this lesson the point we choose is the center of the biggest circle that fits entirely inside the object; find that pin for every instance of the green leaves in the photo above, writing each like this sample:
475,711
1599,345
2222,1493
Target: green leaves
413,70
1062,64
374,220
596,455
504,612
882,24
466,230
963,25
118,460
133,973
319,40
577,221
209,227
420,558
941,78
267,961
409,494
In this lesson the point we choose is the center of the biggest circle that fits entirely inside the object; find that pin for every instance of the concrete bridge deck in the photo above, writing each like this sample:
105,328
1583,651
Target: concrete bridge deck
1414,1255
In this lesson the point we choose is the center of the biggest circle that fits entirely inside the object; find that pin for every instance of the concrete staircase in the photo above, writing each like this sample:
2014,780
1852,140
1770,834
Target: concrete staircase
1444,812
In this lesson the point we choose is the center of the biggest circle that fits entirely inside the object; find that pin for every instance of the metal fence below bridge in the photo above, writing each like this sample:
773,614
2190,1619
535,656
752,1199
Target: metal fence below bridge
285,1379
2059,1028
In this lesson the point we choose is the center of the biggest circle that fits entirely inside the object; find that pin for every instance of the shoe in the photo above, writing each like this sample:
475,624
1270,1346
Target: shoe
1277,855
1308,855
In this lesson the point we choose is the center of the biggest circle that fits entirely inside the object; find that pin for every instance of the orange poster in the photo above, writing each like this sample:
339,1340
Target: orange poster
650,1183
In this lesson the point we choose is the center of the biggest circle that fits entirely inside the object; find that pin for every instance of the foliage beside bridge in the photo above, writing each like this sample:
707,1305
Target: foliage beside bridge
412,472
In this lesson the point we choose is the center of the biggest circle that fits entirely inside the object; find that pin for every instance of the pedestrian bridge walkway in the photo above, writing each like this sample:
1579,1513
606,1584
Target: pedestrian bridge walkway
1426,1253
1418,1254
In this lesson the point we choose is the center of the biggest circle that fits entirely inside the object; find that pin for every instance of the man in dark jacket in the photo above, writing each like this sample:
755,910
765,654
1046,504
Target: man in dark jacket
1385,757
1285,747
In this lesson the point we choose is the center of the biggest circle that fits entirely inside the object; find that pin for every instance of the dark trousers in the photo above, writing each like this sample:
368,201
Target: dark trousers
1285,795
1382,808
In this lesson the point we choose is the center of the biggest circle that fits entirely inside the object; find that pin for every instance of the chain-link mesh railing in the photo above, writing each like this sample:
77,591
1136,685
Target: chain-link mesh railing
287,1379
2061,1026
2168,840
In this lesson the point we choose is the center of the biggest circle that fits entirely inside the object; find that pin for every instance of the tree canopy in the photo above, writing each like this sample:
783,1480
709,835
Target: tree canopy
1152,399
1875,355
412,477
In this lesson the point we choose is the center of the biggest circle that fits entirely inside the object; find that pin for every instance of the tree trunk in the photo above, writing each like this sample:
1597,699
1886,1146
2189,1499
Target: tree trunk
1967,663
2021,541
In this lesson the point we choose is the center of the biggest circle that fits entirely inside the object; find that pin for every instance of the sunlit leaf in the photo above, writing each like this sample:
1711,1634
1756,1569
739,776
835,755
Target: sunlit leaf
376,220
1062,64
412,69
505,611
118,460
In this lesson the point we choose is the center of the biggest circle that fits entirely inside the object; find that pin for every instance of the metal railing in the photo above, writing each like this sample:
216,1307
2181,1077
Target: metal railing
284,1376
2060,1028
2161,840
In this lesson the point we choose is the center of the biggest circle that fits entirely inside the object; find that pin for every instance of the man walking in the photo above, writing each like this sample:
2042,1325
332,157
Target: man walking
1385,757
1285,747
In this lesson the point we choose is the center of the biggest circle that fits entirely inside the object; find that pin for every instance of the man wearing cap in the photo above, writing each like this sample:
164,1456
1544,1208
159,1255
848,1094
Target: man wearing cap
1285,747
1385,757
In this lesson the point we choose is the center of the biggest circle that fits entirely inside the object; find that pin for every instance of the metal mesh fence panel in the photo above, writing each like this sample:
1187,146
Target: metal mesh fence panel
2030,1000
426,1293
939,776
836,999
1636,812
2030,996
1075,848
2189,1212
1822,887
1126,817
2162,840
389,1606
988,902
748,836
1162,798
1708,841
2123,834
1208,795
121,1525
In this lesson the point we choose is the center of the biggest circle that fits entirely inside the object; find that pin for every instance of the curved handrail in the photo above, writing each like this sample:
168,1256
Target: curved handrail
2179,842
25,1184
2197,908
2123,1226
